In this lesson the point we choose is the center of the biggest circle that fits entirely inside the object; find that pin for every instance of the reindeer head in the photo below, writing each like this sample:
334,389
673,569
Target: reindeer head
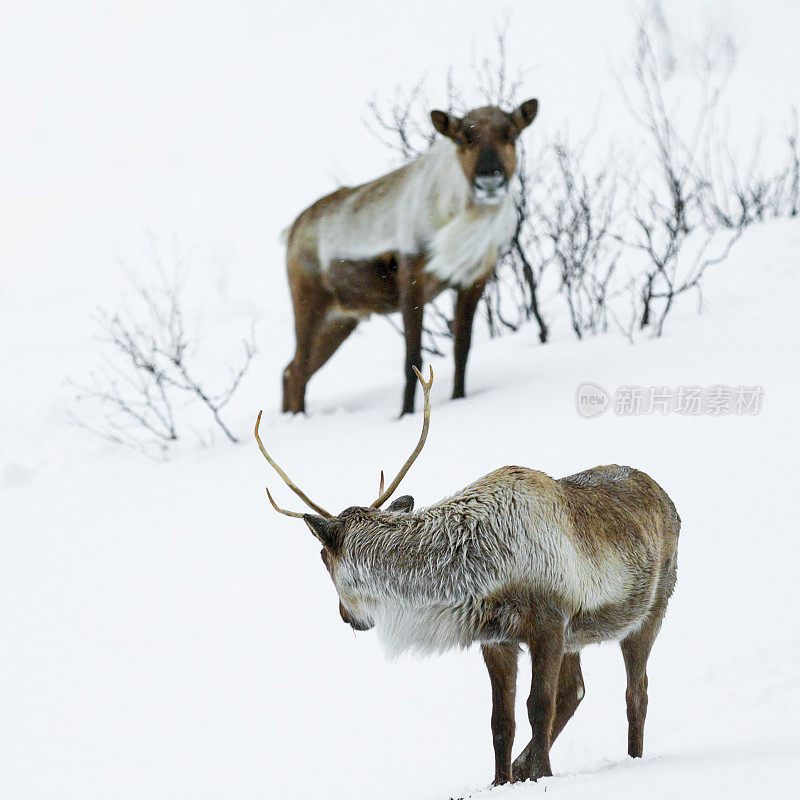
486,146
332,530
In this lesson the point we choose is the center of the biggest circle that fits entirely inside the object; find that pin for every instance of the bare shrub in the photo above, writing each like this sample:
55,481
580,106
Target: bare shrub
523,270
791,183
622,237
736,199
574,227
148,372
667,198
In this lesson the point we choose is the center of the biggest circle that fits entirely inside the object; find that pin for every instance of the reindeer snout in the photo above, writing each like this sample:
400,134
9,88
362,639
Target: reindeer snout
355,624
489,176
489,189
491,182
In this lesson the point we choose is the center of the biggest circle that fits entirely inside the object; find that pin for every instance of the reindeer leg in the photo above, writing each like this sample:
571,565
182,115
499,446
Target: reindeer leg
466,303
570,694
501,661
329,338
286,378
311,303
412,303
547,650
635,652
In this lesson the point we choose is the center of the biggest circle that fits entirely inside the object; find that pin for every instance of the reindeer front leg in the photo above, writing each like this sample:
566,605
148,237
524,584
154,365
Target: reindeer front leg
412,303
466,303
501,661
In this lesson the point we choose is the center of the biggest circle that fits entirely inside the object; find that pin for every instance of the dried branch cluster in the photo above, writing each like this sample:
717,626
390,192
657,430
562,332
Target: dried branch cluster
617,239
148,372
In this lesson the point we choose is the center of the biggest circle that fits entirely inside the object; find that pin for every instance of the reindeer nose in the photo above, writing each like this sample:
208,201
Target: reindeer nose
491,182
489,174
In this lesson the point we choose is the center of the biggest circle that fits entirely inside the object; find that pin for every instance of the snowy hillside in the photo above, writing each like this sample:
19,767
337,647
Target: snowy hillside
169,635
165,634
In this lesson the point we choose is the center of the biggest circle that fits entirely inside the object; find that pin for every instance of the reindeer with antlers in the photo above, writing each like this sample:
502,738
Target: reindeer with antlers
514,558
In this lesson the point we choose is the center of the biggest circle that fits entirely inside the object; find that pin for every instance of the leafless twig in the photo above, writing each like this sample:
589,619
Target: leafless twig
147,366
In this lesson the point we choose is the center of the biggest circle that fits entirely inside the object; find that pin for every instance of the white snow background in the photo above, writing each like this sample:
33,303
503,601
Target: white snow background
164,633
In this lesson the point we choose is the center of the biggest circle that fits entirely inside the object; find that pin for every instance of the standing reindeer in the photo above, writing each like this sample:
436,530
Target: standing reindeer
516,557
396,242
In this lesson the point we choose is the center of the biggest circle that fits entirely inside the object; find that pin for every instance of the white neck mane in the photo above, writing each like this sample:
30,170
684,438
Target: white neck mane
425,209
467,238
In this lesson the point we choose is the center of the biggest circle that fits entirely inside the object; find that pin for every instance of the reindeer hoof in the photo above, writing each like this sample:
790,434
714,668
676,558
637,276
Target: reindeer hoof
528,768
532,775
519,770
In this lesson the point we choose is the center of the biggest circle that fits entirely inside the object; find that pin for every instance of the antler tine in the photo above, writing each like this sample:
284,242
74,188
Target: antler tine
380,488
426,388
286,479
283,510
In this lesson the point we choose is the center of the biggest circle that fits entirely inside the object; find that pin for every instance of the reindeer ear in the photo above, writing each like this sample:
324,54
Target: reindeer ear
445,123
524,114
328,531
404,503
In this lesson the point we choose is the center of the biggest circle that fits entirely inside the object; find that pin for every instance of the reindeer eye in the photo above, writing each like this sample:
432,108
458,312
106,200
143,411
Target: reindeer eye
468,136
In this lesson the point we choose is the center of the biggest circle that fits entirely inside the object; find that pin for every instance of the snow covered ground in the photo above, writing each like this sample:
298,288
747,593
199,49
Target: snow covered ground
164,633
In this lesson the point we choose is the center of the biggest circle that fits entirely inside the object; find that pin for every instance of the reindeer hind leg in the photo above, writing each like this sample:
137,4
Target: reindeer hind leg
570,693
311,303
635,652
330,336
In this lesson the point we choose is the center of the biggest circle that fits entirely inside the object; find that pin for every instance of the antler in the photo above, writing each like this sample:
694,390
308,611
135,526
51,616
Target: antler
287,480
426,388
283,510
383,495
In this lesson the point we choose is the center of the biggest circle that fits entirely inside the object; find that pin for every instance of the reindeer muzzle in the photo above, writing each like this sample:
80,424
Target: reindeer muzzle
490,182
355,624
